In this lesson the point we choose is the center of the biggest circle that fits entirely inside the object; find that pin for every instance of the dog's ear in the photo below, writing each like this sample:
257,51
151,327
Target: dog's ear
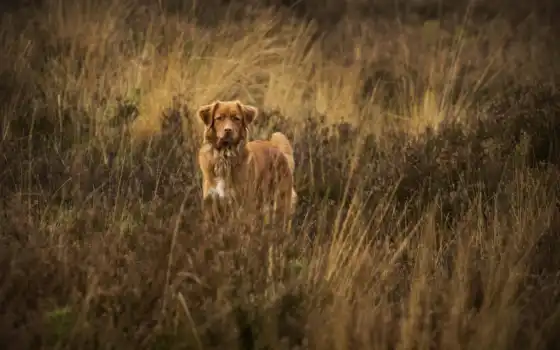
249,112
206,113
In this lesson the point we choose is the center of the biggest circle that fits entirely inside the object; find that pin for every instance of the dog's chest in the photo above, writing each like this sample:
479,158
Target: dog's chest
221,189
228,173
224,175
224,163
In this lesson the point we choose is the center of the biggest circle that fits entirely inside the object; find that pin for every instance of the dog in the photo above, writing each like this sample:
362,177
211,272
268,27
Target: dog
258,173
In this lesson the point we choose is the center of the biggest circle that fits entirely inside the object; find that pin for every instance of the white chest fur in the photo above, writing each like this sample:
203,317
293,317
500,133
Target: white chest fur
220,190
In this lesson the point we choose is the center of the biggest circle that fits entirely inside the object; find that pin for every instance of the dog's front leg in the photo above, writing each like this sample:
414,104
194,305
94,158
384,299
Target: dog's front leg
209,200
214,192
206,188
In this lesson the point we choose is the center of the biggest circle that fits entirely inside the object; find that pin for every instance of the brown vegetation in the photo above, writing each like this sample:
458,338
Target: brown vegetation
428,217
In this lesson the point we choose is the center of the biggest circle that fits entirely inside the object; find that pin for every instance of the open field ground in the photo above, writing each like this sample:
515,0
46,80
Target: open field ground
427,143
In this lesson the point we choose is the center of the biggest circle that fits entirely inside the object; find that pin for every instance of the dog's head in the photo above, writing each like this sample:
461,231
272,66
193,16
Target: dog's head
226,122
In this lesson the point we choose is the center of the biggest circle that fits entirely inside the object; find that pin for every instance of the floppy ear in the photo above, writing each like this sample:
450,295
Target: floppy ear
249,112
206,113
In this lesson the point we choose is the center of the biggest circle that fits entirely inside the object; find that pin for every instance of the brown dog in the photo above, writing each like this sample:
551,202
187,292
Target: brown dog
259,173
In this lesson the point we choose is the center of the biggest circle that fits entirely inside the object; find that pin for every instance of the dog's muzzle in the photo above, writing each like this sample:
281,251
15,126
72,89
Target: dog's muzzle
226,141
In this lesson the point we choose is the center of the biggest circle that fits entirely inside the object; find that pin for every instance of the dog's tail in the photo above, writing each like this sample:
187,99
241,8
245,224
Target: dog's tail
281,142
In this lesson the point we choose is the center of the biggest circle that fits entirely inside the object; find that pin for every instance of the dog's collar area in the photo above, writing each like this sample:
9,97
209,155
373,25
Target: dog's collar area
224,144
223,148
227,149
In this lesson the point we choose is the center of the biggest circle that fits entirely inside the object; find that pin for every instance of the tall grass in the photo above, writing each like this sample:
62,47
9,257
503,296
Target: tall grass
427,170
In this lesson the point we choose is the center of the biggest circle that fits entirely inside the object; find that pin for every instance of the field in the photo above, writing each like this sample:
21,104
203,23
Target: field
427,144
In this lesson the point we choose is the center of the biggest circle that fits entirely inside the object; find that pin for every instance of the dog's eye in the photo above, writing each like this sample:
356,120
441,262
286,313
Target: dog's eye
219,117
236,118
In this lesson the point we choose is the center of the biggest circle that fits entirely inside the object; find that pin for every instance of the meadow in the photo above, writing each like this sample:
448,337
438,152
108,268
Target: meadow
427,145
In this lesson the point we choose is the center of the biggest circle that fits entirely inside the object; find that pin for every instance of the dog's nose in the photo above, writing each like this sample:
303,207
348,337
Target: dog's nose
228,130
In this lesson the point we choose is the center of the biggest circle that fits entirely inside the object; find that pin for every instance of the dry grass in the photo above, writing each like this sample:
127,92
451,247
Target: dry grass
427,154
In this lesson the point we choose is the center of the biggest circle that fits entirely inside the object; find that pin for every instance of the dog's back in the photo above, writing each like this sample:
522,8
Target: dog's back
276,153
280,141
266,156
277,146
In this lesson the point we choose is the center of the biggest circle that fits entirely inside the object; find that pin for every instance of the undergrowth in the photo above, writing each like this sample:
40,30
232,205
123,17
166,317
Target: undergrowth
427,160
